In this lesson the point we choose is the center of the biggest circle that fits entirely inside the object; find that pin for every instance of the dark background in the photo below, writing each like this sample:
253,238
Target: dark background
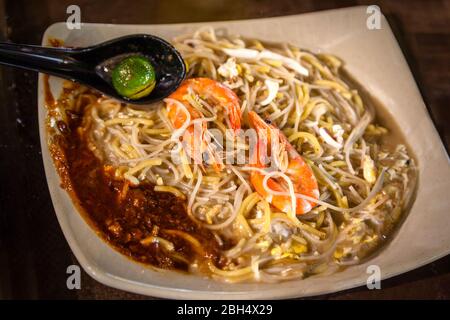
33,252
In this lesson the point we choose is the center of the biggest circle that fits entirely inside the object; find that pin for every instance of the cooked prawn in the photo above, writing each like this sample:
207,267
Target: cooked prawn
220,97
297,170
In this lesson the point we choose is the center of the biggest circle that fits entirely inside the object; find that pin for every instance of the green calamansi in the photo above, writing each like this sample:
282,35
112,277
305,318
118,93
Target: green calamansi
134,77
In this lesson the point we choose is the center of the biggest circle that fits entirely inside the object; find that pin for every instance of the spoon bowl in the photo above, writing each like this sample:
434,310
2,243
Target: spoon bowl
92,66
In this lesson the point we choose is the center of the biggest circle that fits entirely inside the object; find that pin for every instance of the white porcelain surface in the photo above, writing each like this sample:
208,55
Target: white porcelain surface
374,58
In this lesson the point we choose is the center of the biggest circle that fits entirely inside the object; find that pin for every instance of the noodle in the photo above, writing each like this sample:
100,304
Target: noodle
363,184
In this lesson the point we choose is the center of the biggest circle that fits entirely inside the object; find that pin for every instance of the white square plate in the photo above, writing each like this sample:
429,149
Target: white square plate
374,58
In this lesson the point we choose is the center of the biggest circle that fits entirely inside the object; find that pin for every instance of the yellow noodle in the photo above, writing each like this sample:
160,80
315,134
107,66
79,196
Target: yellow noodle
171,190
129,121
145,164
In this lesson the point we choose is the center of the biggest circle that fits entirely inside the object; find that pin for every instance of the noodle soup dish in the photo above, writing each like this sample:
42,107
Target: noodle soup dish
269,163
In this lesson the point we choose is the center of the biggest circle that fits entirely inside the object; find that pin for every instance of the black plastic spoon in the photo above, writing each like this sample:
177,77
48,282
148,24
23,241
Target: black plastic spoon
90,66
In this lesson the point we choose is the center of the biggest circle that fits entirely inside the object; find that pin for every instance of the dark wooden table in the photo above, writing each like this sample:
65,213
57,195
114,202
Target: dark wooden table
33,252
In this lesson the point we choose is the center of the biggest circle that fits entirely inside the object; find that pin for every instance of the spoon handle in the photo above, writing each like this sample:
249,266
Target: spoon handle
54,61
